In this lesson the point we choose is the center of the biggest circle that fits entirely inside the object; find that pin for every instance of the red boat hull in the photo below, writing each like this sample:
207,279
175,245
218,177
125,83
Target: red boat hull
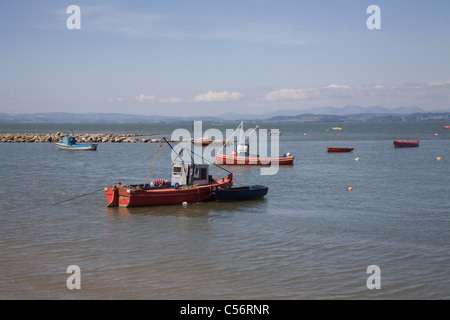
205,143
230,159
331,149
446,127
405,144
124,196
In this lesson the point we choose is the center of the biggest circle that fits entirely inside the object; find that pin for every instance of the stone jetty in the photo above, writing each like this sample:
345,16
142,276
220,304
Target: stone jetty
81,138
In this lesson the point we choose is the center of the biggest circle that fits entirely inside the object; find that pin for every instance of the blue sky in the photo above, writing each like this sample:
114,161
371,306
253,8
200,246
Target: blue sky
209,57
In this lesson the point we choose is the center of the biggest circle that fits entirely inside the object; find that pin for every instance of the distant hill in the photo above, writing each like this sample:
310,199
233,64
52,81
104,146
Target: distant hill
62,117
323,114
366,117
347,110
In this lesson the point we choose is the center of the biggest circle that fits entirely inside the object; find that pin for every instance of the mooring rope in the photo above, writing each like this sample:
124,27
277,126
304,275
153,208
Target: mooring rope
79,196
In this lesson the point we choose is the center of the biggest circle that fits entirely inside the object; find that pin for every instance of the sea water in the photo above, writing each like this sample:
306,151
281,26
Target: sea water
309,238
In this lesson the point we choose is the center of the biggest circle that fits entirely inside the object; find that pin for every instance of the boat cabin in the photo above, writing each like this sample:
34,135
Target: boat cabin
242,150
190,174
69,140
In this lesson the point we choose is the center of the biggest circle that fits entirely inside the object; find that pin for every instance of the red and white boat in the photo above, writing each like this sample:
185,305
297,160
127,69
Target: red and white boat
233,158
206,141
405,144
446,127
190,183
334,149
241,155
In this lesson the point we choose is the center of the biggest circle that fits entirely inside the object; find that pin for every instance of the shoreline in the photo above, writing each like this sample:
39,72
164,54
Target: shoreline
82,138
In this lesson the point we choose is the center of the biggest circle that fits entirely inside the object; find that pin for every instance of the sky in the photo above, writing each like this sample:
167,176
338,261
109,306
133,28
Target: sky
210,57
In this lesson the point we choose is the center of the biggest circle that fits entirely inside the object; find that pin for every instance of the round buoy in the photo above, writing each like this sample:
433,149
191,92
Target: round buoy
435,134
304,134
357,159
184,204
439,158
349,188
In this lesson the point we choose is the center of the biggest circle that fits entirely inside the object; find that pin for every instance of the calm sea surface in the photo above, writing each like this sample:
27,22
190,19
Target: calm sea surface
309,238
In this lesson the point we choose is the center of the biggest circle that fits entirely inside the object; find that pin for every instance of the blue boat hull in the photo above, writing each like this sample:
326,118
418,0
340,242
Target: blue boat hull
241,193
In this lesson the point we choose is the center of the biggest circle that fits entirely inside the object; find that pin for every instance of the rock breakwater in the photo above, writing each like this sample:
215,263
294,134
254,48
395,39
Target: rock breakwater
81,138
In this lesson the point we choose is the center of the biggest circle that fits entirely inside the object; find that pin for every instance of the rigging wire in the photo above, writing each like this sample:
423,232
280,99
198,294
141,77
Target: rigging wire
234,178
153,163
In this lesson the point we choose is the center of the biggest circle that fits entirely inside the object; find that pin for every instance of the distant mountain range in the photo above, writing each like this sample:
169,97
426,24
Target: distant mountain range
323,114
347,110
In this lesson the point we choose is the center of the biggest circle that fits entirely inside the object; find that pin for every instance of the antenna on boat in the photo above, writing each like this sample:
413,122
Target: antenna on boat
164,138
193,153
201,156
248,136
242,123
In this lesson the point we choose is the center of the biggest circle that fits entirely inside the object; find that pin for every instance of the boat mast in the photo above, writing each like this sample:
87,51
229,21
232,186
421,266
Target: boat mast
164,138
242,123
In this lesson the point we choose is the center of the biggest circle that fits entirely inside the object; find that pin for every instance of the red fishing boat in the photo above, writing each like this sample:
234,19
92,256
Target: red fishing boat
233,158
334,149
206,142
241,153
446,127
190,183
405,144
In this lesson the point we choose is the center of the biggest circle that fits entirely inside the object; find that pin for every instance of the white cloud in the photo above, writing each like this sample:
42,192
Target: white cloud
218,96
170,100
109,99
437,83
429,95
336,86
292,94
144,98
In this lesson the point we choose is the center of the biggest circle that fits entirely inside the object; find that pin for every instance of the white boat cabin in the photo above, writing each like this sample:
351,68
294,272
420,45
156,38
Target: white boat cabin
242,150
190,174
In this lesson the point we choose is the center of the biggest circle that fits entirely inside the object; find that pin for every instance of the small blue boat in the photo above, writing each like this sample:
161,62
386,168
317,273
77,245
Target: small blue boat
241,193
70,143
